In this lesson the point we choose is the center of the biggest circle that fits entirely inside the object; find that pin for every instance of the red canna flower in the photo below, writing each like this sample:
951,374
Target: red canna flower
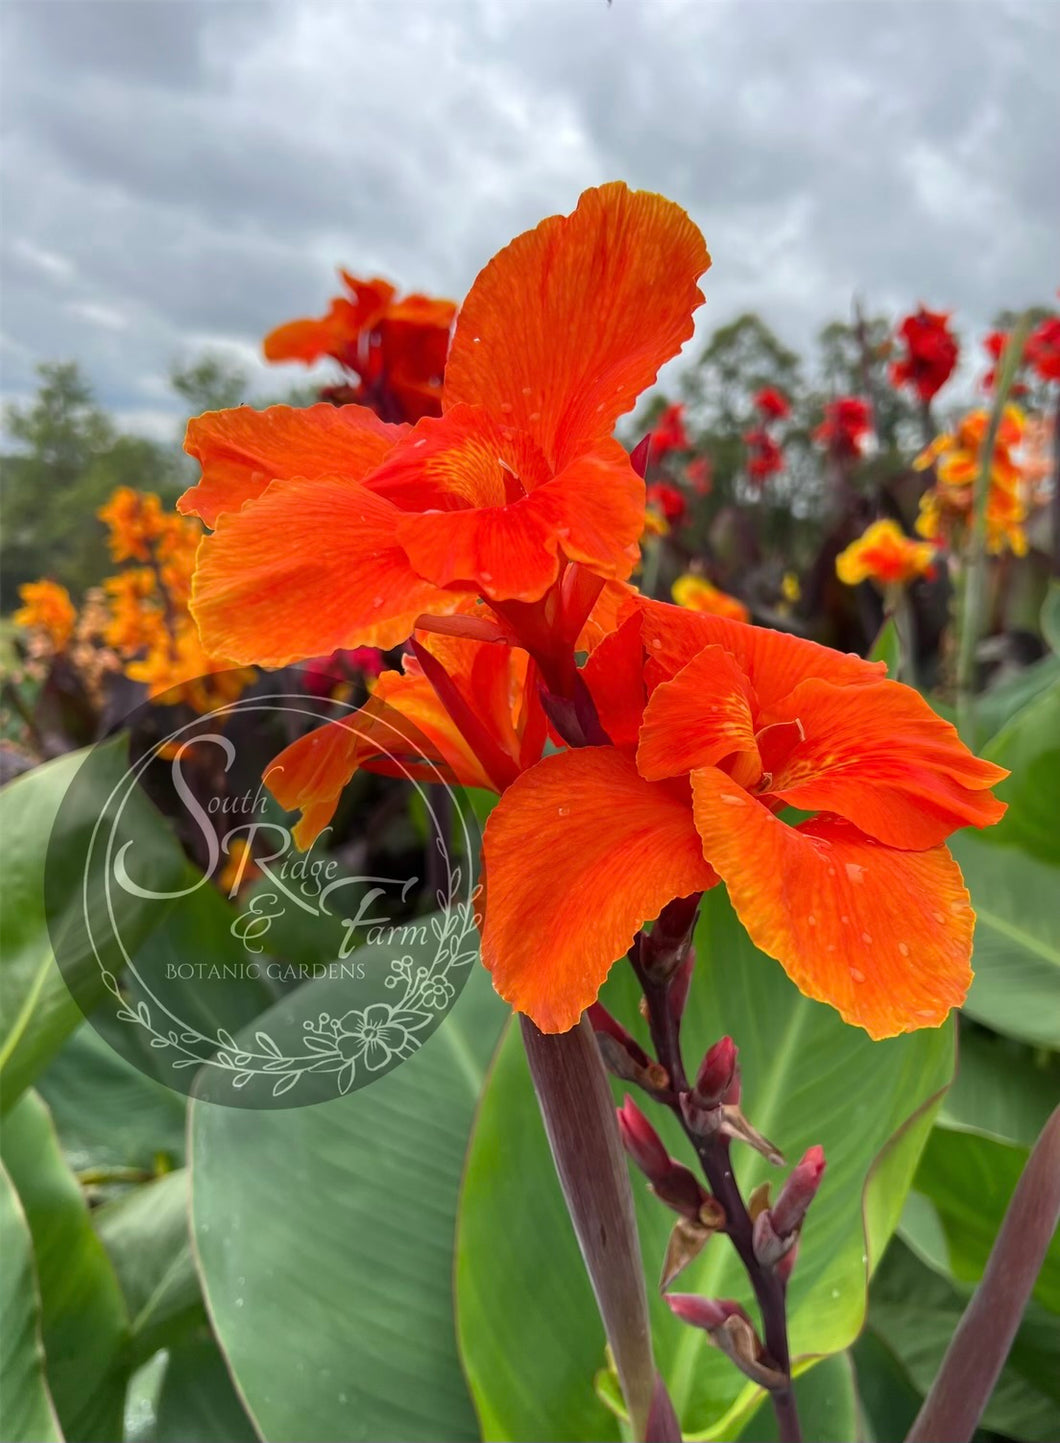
1043,349
931,353
700,475
846,424
669,433
461,711
773,404
333,529
716,727
764,458
668,501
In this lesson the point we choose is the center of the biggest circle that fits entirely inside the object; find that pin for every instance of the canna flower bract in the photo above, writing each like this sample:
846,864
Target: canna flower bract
886,555
335,530
716,727
931,353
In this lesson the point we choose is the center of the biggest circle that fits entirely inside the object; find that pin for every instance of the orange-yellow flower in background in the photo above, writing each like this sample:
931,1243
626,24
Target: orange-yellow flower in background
405,730
47,608
946,508
716,728
334,530
396,347
135,521
885,554
698,594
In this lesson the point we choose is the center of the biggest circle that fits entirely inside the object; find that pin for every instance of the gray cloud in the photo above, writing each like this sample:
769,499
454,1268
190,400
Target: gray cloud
184,172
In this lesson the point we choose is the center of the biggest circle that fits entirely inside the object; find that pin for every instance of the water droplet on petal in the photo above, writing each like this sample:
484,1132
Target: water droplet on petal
903,947
854,872
563,811
866,937
856,974
812,920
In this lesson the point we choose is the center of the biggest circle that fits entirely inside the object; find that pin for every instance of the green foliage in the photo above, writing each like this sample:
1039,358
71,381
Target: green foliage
27,1414
336,1222
529,1334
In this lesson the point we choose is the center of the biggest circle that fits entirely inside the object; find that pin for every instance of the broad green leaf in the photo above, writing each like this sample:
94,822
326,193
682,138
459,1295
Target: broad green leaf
1017,940
970,1181
39,1005
108,1113
1003,1088
335,1223
997,706
530,1337
83,1318
26,1411
1029,746
889,1401
197,1400
827,1401
145,1233
888,647
915,1312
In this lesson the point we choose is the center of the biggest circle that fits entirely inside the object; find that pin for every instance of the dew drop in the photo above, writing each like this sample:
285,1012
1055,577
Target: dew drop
728,797
535,415
812,920
377,601
831,871
903,947
938,916
656,642
854,872
487,575
845,920
528,390
563,811
866,937
926,1013
239,1302
856,974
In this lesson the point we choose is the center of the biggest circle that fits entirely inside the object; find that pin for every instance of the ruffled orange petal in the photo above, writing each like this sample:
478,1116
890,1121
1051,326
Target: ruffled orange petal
702,716
607,850
403,730
595,506
242,451
883,936
308,340
880,756
312,566
773,661
571,321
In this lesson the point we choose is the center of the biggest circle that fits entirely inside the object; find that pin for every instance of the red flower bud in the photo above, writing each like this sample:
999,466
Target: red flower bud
798,1192
716,1072
642,1142
708,1313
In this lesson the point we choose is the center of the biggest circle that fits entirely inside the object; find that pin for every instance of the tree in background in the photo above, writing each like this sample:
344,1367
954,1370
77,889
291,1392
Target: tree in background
67,458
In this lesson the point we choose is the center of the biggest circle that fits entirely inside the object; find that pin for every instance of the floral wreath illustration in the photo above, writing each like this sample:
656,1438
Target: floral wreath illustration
359,1042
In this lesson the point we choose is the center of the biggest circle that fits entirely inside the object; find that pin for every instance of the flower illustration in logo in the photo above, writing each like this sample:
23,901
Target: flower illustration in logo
376,1035
438,992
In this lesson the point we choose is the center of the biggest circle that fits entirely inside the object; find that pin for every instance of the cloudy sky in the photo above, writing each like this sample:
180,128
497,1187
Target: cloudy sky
184,174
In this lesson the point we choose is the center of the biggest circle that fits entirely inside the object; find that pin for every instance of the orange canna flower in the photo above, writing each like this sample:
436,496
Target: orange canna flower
406,730
716,728
135,521
333,529
698,594
396,347
47,608
885,554
946,508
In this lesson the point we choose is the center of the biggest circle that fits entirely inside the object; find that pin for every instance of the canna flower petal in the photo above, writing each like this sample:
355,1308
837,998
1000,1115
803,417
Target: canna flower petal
241,451
884,936
309,568
773,661
559,912
614,674
705,714
566,326
881,757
